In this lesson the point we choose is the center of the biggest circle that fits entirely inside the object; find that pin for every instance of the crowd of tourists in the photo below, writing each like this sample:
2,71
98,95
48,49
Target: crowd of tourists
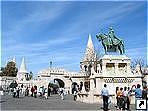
19,91
41,92
29,91
123,96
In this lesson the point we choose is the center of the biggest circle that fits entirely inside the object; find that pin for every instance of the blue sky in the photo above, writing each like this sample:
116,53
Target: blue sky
58,31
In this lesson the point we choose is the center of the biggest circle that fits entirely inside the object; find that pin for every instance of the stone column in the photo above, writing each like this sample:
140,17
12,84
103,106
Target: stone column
128,68
116,68
92,84
104,68
100,85
69,86
97,85
83,88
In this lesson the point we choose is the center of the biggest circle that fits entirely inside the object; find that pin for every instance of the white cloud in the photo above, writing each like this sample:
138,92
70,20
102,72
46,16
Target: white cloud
38,53
39,15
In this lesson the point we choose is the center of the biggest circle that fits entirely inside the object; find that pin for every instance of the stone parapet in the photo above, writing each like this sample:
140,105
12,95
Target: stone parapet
97,98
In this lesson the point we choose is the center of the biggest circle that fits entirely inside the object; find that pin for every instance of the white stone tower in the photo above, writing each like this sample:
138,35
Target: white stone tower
22,73
89,57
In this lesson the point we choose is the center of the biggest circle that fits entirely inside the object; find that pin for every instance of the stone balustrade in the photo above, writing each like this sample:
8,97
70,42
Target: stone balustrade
97,98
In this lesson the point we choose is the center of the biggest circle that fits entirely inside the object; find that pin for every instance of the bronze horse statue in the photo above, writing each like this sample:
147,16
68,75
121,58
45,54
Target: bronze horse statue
111,45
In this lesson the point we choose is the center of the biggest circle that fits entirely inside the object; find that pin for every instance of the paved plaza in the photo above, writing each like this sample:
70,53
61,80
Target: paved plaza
54,102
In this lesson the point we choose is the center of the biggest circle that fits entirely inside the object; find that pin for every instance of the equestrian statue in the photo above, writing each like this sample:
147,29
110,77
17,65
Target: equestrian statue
110,42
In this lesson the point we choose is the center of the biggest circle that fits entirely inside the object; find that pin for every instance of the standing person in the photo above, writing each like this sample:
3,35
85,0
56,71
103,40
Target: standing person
35,91
117,89
61,93
45,94
144,93
125,95
105,94
138,92
23,91
32,91
14,92
49,91
27,92
17,92
75,95
129,98
121,98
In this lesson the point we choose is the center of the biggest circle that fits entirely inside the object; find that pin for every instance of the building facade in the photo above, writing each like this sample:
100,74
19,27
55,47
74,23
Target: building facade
113,70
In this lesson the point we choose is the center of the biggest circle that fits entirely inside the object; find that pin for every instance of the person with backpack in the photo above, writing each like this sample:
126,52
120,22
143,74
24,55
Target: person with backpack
138,93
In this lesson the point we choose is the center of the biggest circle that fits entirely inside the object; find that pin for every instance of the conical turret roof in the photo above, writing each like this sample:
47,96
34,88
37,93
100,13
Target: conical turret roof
23,66
14,60
90,51
90,43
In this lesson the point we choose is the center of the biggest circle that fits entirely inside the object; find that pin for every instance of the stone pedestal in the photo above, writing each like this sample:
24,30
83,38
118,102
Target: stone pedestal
116,68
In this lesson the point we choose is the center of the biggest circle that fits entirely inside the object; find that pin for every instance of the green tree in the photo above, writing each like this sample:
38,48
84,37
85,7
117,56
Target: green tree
9,70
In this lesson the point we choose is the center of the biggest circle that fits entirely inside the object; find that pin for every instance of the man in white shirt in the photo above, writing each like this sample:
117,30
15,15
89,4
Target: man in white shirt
105,94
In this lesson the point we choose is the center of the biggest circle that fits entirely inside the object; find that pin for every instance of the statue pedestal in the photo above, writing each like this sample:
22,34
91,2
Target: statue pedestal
113,65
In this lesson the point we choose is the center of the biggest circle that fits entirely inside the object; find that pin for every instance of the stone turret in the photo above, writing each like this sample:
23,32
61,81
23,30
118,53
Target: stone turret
89,56
90,51
22,73
14,60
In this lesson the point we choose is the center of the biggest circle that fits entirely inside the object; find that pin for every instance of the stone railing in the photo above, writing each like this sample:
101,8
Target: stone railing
97,98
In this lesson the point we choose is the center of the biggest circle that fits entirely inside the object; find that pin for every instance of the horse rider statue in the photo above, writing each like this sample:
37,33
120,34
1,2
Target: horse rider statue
110,42
112,38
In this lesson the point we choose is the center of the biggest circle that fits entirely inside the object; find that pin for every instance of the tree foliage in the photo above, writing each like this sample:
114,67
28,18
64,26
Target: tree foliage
9,70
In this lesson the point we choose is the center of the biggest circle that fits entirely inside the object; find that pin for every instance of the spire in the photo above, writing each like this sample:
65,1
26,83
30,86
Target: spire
90,43
90,51
14,60
23,66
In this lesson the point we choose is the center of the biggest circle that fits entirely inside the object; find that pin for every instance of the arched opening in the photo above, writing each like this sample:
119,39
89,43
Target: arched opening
60,83
74,86
54,86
